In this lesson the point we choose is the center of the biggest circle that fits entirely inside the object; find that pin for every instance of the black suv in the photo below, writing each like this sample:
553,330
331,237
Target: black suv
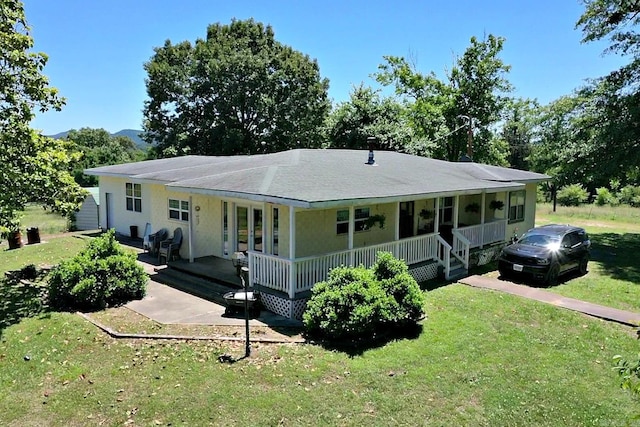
544,253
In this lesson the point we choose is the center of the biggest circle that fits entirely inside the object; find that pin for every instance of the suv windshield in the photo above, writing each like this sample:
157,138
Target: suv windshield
543,240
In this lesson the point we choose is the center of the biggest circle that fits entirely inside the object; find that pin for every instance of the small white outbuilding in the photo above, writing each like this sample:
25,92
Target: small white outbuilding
87,218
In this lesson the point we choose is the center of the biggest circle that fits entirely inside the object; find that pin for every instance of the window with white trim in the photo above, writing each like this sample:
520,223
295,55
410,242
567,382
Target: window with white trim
516,206
179,210
133,196
360,222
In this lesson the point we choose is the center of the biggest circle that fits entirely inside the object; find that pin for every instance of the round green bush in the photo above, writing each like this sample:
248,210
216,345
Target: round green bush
356,302
102,275
572,195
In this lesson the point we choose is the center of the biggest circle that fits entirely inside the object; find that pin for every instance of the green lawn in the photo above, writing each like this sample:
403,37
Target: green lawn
46,221
51,251
614,271
483,358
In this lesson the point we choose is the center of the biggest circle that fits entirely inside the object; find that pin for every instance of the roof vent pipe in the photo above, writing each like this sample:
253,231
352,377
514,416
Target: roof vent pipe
371,142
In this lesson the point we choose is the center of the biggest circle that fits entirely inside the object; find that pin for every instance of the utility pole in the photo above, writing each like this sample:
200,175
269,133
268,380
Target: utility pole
469,120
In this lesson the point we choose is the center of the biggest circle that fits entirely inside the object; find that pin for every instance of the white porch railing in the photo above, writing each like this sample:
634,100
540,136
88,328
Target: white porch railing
278,273
460,248
444,256
485,234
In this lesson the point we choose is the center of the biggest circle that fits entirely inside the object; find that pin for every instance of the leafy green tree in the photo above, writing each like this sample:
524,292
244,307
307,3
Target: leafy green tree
366,114
616,21
518,131
440,111
99,148
239,91
34,167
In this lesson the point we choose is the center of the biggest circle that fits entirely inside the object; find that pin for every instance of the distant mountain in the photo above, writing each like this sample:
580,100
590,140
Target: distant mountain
130,133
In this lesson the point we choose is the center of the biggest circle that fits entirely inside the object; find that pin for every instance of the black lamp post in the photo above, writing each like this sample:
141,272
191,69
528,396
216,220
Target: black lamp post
243,276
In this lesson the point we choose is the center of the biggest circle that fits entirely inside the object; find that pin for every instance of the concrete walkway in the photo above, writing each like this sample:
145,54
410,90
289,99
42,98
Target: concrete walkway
607,313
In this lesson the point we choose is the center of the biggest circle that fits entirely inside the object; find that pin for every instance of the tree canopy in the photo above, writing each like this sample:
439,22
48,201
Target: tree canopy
592,136
367,114
100,148
34,167
238,91
474,90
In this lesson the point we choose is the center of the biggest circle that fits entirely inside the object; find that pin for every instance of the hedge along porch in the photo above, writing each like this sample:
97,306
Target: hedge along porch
301,212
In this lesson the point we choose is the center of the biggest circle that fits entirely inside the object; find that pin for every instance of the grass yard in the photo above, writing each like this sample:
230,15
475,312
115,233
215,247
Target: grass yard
50,252
483,358
614,270
46,221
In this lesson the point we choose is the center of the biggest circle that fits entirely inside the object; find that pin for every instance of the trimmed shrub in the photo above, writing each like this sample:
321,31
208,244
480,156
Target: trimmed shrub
605,197
101,275
630,195
572,195
356,302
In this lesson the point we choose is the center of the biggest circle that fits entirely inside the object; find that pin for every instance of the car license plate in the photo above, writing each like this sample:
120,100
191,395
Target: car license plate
517,267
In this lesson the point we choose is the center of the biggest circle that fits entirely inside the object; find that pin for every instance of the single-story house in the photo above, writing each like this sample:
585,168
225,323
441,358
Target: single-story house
299,213
87,218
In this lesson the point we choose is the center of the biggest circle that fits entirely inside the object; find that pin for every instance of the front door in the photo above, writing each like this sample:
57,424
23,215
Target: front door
242,229
249,229
445,221
406,219
109,210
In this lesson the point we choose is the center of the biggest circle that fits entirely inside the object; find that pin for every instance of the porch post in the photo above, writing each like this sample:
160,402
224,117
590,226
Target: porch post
436,220
396,236
482,213
190,229
352,227
292,252
455,211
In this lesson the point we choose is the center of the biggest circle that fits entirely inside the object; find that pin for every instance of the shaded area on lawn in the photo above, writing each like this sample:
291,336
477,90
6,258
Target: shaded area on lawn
618,254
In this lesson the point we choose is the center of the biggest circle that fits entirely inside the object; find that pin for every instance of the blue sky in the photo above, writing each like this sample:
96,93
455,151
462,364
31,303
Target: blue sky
97,48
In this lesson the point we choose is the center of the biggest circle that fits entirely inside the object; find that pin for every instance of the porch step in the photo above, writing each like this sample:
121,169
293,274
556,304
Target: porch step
458,273
194,285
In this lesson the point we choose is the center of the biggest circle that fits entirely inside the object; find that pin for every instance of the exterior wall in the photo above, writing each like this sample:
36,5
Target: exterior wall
469,218
316,231
87,216
122,219
529,213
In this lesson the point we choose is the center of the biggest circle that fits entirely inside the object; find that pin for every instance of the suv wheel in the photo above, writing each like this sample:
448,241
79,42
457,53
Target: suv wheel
582,268
552,275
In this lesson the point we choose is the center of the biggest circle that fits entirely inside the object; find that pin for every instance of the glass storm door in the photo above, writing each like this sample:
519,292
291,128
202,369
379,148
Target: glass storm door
242,229
256,230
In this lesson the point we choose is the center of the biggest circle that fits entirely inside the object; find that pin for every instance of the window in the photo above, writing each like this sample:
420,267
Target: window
446,210
342,221
362,215
179,210
274,231
516,206
360,222
134,197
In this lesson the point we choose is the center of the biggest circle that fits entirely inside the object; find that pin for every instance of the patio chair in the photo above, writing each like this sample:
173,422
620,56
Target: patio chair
146,241
171,247
156,238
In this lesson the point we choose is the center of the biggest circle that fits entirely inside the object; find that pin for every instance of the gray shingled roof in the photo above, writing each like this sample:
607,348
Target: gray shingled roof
317,178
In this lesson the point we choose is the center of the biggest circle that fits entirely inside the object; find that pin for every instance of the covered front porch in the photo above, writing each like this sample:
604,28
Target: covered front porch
292,277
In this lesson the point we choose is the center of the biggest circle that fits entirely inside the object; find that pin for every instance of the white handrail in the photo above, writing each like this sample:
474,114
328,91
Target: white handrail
461,248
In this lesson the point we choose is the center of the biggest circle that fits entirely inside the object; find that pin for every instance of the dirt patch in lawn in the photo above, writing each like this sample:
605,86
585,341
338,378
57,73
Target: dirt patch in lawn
125,321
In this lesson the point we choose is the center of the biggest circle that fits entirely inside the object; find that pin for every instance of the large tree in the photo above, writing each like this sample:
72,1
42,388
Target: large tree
100,148
474,91
239,91
34,167
367,114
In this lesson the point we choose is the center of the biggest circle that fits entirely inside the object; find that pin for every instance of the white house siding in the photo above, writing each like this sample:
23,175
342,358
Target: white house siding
122,219
87,216
316,231
529,212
